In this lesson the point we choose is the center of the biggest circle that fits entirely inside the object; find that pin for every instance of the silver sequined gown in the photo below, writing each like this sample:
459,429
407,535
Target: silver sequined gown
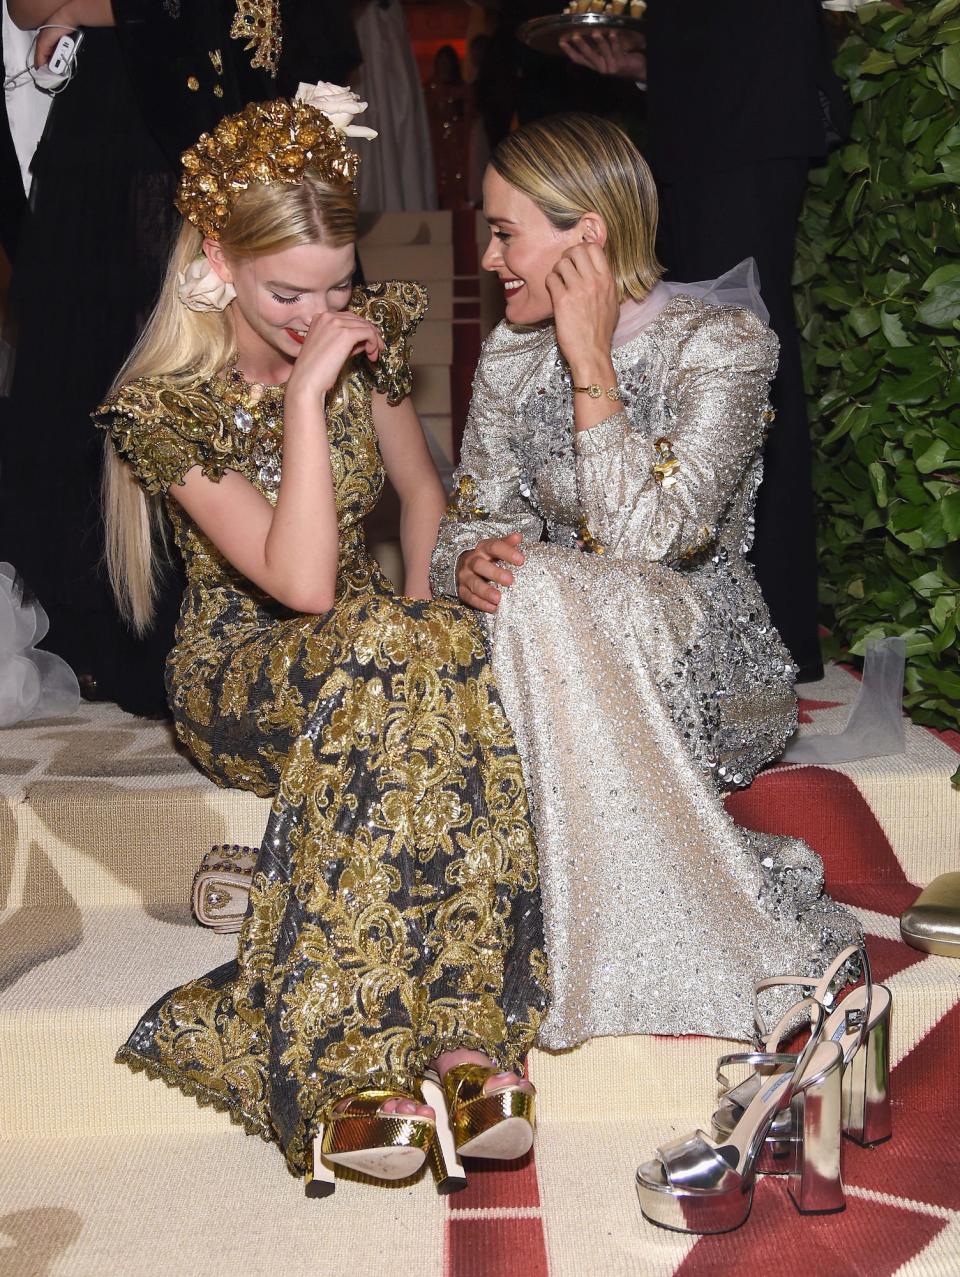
641,673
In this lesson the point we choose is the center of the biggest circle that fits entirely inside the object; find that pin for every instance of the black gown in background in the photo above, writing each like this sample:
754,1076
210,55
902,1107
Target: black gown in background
89,263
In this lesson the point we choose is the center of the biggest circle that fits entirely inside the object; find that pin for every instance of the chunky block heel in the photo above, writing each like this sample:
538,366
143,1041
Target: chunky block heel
700,1185
319,1180
815,1183
860,1024
867,1117
448,1171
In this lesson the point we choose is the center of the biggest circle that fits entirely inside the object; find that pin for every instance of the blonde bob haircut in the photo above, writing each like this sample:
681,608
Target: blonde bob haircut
574,164
187,347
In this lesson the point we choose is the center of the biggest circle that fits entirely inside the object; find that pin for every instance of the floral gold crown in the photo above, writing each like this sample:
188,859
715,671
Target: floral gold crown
270,142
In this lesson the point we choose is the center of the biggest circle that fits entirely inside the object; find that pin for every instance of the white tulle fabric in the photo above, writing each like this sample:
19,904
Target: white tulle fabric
33,684
740,286
875,727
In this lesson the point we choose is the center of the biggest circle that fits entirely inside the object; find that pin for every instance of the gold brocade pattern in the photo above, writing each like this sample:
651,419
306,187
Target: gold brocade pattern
395,906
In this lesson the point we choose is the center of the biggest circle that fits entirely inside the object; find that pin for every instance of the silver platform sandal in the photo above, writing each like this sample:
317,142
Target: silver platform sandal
860,1024
700,1185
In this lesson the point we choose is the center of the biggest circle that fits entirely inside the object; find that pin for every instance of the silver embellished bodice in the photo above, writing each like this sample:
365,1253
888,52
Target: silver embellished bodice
671,480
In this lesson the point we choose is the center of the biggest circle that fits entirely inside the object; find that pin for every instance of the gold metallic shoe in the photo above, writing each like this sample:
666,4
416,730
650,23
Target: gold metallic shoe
498,1124
361,1137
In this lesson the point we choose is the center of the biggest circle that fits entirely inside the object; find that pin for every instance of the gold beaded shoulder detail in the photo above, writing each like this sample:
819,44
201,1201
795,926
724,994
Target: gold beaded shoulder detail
396,307
164,430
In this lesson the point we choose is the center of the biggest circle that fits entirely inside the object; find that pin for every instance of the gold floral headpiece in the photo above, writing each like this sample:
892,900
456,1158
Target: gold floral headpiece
270,142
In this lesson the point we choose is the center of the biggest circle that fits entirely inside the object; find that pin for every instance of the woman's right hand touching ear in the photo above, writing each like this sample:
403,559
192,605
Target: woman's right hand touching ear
480,574
332,339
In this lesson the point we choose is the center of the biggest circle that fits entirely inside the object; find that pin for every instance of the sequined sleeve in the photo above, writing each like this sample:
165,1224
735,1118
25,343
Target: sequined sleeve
661,495
486,500
396,307
163,431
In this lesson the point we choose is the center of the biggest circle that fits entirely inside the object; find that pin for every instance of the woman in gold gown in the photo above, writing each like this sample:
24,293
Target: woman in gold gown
394,930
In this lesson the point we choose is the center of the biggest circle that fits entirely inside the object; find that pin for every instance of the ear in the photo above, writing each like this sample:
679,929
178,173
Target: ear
593,229
217,259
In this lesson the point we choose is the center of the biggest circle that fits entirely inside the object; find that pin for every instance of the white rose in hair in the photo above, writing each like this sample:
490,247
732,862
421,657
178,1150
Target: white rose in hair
201,288
339,104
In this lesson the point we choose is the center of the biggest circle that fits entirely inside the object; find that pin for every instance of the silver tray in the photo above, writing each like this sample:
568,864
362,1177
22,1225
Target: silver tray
544,34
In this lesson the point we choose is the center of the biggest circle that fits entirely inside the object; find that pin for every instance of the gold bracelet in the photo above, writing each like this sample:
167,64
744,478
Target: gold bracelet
596,391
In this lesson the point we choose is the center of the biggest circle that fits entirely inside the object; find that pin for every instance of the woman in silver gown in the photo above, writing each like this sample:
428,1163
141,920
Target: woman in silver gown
600,518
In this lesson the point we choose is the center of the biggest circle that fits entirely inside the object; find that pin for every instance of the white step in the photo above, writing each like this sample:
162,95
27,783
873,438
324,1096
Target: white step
64,1017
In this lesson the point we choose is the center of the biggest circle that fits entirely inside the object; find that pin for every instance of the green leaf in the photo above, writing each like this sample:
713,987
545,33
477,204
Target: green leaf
942,305
934,457
864,320
943,10
950,515
943,274
878,63
950,65
948,33
929,181
918,388
892,326
854,158
878,479
929,583
942,611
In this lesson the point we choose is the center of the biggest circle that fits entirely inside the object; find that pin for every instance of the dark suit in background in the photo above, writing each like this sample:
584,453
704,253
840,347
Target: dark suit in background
741,97
91,257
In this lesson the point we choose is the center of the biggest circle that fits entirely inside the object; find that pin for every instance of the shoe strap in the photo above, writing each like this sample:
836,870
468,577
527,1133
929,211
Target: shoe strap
371,1101
756,1060
820,992
694,1160
806,1008
465,1082
798,1061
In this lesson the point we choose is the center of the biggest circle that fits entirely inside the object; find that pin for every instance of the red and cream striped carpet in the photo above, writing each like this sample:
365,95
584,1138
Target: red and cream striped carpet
103,1174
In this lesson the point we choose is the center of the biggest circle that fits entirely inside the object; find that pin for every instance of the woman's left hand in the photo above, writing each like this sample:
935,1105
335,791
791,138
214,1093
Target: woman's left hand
47,40
585,306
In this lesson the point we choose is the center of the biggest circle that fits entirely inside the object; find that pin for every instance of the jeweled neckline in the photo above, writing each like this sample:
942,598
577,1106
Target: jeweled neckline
253,393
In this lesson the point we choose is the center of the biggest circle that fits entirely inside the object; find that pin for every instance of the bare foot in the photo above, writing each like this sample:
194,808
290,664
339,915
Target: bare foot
500,1081
405,1107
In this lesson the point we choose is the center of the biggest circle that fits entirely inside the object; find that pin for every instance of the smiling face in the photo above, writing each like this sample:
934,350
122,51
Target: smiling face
523,249
278,297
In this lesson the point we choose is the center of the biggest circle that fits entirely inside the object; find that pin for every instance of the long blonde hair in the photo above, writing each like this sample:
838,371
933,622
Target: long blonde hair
187,347
574,164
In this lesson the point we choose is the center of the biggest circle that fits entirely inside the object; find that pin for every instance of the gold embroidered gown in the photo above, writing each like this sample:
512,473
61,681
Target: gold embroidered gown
395,906
640,672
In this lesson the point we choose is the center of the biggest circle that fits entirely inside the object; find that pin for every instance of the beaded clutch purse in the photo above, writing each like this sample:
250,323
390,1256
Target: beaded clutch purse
221,887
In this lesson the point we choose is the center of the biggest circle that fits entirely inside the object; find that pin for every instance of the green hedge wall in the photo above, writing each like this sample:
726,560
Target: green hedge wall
878,294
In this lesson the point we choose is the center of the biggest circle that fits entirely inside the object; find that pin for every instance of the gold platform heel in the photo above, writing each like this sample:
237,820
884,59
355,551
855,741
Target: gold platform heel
472,1122
388,1146
448,1171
